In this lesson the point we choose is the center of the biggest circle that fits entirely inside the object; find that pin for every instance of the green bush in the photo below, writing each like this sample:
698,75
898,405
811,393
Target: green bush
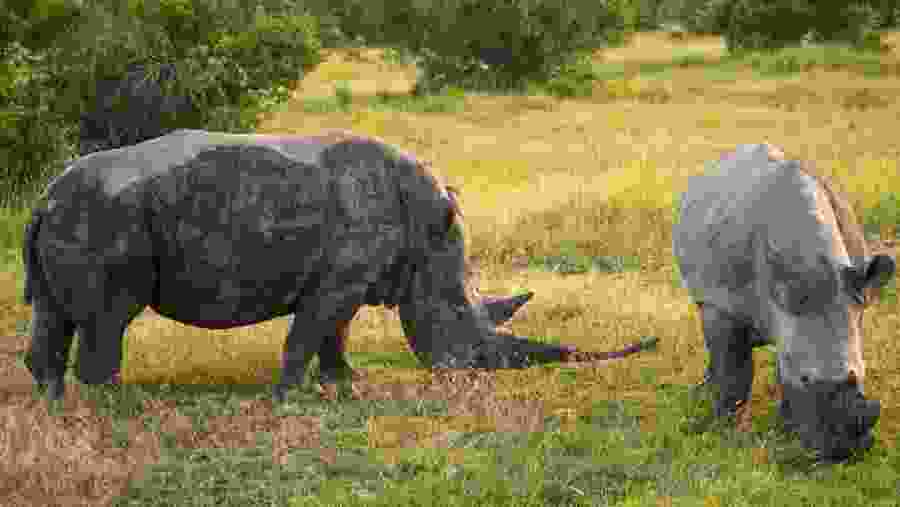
772,24
30,134
234,60
35,24
485,44
573,79
697,16
888,13
647,14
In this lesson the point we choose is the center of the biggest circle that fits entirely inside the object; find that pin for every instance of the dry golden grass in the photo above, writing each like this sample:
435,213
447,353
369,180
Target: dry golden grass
535,171
525,163
657,47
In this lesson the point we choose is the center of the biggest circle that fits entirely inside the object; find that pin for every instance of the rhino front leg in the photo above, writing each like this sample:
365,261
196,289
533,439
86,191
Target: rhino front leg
333,364
730,360
51,340
313,325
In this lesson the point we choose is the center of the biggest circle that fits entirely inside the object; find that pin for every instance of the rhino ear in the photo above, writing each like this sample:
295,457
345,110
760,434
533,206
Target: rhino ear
879,271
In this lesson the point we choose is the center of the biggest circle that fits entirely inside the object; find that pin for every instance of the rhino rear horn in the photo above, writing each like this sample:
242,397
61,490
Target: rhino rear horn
501,309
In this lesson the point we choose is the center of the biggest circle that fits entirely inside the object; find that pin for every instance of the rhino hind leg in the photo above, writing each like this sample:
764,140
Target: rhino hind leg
47,357
730,367
100,343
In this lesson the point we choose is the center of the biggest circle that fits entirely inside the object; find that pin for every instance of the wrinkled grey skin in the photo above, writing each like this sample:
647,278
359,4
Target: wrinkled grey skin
218,230
760,263
134,108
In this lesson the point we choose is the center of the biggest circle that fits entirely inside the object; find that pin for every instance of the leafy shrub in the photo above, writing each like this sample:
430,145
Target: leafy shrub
697,16
888,13
771,24
647,15
35,24
233,61
573,79
485,44
30,147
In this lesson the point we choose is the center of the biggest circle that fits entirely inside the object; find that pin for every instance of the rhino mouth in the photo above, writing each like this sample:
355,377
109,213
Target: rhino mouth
834,420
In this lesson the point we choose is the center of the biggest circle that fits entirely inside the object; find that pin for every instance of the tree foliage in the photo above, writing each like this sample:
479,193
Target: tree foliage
234,58
484,43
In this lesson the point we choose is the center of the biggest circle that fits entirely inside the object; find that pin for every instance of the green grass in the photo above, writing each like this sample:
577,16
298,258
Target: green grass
449,102
796,59
570,261
607,458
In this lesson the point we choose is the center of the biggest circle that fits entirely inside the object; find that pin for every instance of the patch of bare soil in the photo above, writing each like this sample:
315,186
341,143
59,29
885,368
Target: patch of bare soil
71,458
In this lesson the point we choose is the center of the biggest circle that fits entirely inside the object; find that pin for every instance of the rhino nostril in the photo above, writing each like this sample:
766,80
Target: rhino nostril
805,379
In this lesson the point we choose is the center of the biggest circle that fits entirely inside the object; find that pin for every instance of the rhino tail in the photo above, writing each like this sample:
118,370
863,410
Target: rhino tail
34,273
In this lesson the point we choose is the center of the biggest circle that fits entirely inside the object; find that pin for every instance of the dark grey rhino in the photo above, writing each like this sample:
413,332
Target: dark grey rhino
222,230
772,254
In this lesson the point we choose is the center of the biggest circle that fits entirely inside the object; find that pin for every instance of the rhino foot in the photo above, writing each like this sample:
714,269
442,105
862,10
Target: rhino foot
46,380
334,375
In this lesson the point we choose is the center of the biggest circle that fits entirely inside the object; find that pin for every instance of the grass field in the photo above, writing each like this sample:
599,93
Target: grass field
541,178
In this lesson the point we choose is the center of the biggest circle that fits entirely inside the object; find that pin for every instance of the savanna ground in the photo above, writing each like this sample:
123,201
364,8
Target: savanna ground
546,183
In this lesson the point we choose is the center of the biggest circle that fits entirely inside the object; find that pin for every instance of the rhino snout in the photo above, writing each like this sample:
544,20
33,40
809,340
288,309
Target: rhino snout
832,418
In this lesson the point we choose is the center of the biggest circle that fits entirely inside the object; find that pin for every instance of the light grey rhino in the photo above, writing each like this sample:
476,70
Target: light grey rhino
222,230
772,254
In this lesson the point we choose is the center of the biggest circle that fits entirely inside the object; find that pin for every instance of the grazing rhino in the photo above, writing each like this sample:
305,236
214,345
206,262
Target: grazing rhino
773,254
134,108
222,230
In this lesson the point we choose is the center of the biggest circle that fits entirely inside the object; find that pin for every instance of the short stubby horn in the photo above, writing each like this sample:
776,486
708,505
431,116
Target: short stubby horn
501,308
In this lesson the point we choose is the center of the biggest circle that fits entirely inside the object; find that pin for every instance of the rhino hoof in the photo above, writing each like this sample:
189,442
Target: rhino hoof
279,393
56,389
334,375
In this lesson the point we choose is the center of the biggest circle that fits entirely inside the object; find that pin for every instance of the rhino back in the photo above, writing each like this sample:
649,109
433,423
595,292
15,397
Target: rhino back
246,231
730,216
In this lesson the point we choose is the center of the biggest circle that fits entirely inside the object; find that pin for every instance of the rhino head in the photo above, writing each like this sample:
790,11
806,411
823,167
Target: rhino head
447,324
818,278
820,364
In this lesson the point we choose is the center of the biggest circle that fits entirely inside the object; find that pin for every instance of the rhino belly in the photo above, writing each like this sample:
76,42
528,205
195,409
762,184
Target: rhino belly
237,280
224,302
